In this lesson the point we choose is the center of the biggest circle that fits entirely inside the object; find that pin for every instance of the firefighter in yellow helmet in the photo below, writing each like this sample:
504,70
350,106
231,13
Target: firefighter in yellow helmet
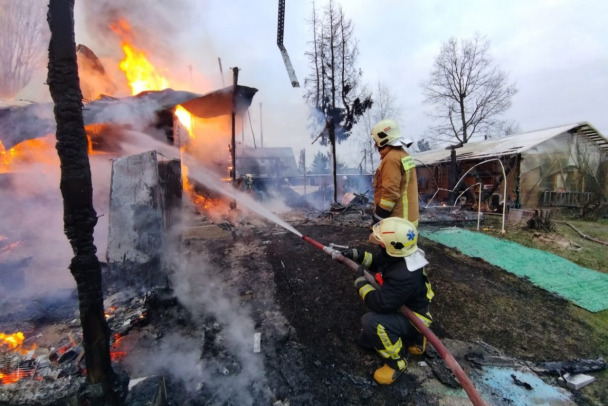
248,181
395,182
400,277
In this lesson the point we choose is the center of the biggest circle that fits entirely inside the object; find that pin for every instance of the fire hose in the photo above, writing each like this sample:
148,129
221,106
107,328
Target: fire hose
449,359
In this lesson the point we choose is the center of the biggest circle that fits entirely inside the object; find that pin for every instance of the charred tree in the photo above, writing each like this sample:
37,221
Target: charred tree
333,89
79,215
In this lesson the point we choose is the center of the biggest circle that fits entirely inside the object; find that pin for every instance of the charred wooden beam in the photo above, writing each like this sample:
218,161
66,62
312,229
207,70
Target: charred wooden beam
145,201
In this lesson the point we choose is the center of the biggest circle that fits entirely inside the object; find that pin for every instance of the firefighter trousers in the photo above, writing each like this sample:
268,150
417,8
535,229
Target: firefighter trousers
387,333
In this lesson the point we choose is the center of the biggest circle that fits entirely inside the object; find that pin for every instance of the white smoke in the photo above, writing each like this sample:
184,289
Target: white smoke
200,288
31,207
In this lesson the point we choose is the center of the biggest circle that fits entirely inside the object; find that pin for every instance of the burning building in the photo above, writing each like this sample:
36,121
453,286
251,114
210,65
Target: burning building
136,147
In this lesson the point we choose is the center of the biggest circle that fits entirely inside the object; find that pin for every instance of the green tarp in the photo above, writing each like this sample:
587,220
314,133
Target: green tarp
582,286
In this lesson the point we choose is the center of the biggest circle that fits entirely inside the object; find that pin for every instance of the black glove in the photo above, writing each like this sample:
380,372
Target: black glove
351,253
360,279
380,213
360,272
375,220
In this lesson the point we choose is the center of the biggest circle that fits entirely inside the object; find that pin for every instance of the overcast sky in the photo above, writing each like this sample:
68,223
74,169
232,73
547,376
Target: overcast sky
555,51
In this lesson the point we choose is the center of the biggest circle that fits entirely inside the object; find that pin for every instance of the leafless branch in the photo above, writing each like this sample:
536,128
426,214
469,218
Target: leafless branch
467,90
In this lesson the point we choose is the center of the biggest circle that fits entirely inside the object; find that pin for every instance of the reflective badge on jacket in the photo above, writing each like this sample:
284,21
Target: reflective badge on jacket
379,279
408,163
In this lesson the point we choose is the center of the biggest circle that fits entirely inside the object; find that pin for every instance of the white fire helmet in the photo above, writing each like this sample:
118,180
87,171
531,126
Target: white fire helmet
399,236
387,132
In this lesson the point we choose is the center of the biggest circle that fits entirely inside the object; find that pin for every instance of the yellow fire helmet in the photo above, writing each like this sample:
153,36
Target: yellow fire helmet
399,236
387,132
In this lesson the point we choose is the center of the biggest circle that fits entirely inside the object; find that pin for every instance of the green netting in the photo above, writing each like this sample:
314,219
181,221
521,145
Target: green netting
582,286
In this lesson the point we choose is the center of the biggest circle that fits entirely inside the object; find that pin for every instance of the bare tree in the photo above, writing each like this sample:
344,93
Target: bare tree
333,89
22,43
503,128
385,106
77,191
468,91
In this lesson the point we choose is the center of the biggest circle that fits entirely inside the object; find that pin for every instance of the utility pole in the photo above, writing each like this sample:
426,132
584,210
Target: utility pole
235,79
261,132
303,164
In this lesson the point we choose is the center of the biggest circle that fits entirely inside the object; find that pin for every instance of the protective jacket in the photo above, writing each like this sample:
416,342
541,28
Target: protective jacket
384,328
400,286
396,186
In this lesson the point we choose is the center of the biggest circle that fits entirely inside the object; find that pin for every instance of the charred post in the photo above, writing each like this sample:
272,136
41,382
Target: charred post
145,202
77,191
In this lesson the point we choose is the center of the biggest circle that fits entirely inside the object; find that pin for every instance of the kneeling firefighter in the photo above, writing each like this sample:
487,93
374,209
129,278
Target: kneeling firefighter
398,266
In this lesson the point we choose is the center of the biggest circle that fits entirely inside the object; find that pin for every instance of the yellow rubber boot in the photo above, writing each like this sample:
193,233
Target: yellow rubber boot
386,374
419,347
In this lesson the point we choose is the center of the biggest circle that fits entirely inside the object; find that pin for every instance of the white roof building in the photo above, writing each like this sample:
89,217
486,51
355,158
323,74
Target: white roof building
539,166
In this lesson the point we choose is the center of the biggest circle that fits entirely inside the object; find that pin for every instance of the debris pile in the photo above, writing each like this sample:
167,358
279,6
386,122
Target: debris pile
40,370
448,215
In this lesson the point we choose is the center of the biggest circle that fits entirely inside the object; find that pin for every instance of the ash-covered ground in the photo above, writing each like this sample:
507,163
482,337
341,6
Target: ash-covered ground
257,277
249,278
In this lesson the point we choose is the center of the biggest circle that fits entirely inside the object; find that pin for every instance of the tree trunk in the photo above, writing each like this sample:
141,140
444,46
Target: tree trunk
463,120
332,140
453,175
77,191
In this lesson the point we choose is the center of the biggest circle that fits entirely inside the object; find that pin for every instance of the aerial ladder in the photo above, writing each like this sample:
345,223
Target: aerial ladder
280,27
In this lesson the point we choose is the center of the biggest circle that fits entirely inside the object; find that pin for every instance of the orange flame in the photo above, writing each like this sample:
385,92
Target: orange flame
6,157
185,118
15,376
14,342
141,74
115,354
34,150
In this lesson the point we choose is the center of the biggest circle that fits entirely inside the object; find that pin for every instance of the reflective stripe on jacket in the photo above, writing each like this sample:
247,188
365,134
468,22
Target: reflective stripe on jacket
396,186
400,286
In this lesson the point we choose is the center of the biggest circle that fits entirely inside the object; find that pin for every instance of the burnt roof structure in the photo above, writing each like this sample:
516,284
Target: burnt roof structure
20,122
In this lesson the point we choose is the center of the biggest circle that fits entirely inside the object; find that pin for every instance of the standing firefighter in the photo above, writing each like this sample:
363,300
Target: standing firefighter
395,182
399,271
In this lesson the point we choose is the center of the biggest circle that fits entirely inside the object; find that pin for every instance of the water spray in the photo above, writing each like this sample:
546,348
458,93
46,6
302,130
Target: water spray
449,359
251,204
